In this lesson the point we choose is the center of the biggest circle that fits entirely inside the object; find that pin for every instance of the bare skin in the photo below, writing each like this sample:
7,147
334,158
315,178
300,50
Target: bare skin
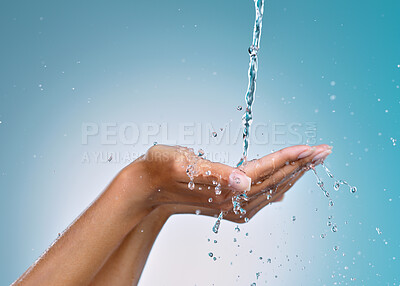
110,242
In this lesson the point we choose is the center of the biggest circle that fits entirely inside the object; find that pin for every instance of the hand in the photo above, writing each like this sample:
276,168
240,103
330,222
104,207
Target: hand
186,182
166,180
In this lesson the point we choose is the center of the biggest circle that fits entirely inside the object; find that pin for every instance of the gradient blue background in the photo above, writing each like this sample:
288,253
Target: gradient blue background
66,63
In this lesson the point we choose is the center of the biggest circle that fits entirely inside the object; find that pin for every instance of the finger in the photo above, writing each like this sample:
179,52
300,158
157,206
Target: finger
280,174
280,198
262,201
254,205
273,194
267,165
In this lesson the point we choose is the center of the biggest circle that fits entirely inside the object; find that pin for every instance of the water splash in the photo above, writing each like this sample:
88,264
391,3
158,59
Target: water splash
247,118
330,175
218,222
337,183
236,202
320,183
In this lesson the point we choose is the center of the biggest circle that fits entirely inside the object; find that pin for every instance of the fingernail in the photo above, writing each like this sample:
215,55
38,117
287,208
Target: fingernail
239,181
306,153
321,156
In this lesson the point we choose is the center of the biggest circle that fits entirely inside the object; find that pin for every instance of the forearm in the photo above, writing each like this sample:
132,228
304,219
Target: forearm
126,264
76,257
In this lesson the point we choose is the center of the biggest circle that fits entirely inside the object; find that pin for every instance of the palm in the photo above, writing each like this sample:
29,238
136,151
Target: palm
188,182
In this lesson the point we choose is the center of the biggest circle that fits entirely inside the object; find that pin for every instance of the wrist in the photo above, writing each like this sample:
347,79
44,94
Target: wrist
132,189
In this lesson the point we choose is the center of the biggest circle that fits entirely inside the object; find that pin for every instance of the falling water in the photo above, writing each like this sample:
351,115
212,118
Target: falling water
247,118
251,88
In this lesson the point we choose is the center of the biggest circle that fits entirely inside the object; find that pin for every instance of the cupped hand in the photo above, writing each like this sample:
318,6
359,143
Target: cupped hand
183,181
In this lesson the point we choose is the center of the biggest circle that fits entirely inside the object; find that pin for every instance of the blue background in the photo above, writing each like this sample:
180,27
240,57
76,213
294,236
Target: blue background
333,63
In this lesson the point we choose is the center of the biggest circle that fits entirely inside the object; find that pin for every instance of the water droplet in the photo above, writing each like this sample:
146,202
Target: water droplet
208,173
332,97
218,190
334,228
269,260
191,185
210,254
210,200
353,190
331,203
189,170
378,231
198,212
336,186
336,248
214,134
293,218
329,223
323,235
239,108
214,258
200,152
246,219
237,228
